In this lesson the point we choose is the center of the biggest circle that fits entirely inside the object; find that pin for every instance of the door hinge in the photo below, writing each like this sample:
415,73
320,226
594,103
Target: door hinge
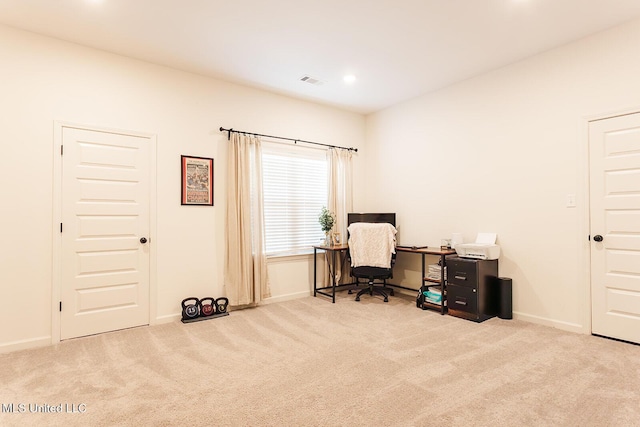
62,150
60,305
589,237
61,227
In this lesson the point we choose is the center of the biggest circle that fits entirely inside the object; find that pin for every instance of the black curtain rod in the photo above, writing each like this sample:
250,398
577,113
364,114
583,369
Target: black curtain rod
229,131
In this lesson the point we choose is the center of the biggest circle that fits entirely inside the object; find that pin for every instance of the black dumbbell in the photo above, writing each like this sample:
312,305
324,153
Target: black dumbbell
190,311
207,306
221,305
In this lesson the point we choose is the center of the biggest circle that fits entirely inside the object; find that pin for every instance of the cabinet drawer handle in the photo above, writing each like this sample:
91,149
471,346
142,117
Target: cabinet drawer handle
461,301
460,277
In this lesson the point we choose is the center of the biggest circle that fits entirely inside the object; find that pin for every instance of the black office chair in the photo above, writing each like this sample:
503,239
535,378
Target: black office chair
372,276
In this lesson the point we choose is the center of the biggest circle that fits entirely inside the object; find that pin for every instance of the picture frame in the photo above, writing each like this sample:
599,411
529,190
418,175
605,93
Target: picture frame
196,181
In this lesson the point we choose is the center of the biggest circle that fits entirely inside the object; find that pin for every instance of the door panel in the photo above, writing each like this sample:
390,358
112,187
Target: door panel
105,212
614,147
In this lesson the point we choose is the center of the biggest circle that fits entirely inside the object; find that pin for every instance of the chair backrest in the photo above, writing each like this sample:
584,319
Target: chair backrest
371,217
377,252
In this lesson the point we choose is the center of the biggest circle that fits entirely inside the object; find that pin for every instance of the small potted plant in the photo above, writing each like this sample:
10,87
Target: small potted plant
326,220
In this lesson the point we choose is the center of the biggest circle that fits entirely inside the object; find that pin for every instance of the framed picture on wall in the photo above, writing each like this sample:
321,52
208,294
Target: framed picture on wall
197,181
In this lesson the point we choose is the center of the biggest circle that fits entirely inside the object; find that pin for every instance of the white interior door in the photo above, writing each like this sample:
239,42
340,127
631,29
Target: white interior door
614,152
105,214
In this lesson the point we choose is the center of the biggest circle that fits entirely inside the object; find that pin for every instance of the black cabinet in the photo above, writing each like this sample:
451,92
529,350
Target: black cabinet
472,290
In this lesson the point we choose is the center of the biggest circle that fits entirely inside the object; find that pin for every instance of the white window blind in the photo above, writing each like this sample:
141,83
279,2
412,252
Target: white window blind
294,190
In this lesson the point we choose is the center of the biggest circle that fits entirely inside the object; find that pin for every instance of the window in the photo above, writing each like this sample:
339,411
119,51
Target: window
294,191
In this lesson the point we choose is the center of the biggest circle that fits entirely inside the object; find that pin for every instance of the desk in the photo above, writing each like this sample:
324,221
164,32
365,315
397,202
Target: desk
330,253
442,253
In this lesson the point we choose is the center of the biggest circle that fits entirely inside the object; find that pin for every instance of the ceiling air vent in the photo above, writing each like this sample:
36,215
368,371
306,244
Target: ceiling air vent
311,80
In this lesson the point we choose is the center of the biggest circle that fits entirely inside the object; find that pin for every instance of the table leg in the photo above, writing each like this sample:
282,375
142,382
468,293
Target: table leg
315,261
333,275
442,283
424,272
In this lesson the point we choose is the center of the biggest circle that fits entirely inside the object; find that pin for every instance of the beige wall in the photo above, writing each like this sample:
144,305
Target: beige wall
45,80
500,153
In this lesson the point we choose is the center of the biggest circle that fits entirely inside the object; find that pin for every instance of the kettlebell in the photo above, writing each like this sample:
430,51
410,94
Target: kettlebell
221,305
207,308
190,311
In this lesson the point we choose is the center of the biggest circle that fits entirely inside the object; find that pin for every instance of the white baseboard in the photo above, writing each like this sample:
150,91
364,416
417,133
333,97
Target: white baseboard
167,319
565,326
280,298
25,344
412,292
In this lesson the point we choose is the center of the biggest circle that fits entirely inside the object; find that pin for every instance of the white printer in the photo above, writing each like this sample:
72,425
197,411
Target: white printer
484,247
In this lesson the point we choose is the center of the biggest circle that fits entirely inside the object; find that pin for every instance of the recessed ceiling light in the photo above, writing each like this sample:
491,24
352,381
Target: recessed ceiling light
349,78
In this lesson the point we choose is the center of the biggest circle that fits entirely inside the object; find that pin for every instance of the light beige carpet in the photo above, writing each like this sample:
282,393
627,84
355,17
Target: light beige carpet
308,362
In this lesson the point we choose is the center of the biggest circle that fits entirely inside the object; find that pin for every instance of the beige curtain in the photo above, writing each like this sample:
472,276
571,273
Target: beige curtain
245,277
340,198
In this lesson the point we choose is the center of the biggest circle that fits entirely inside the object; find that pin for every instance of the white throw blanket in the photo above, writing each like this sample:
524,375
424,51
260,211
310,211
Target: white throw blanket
372,244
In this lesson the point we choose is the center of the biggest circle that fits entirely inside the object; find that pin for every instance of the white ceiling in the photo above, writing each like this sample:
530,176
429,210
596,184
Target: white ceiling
397,49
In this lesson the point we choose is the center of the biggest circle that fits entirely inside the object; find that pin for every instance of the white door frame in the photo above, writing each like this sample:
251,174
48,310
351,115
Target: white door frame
56,282
585,217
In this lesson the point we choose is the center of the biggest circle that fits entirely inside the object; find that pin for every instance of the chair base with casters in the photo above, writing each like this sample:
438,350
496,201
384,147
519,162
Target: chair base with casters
371,274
